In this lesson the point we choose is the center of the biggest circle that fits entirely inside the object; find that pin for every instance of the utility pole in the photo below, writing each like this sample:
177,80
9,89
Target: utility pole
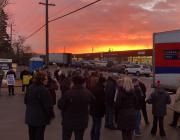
11,33
92,49
64,49
47,28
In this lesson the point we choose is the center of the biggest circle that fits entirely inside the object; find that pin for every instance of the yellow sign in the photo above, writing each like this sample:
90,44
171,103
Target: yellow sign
26,79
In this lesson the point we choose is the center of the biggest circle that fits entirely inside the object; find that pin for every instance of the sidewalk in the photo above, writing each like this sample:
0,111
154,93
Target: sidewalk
18,83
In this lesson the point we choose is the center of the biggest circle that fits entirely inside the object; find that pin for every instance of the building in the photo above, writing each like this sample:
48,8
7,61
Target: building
135,56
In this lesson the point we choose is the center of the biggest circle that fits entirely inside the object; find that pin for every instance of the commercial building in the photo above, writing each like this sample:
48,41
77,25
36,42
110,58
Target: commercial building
135,56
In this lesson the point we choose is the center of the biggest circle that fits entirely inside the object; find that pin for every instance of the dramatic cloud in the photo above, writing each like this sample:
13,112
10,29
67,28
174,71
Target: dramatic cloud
116,24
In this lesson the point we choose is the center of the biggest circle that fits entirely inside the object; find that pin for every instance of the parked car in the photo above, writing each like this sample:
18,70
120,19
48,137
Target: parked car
138,70
119,68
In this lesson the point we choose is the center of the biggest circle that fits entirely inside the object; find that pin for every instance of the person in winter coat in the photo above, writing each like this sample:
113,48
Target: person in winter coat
118,91
92,81
74,106
139,95
1,78
110,90
52,87
57,73
126,105
97,109
62,76
11,76
66,84
25,76
38,107
176,109
159,100
143,109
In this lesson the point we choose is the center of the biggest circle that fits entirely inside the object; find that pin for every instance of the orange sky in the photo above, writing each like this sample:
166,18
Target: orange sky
109,24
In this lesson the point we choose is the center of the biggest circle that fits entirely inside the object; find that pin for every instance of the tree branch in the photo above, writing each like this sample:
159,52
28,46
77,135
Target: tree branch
3,3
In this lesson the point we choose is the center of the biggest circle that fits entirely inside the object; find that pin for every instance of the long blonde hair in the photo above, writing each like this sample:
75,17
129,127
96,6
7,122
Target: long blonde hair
127,84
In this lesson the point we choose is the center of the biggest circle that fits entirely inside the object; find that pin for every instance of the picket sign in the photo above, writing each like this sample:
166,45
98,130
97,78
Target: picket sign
10,79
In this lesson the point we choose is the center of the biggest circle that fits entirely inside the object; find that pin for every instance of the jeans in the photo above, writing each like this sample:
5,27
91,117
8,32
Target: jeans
67,133
138,122
109,116
144,112
161,125
96,128
36,133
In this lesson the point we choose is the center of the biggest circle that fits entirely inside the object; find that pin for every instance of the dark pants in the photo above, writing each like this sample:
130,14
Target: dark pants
127,134
138,122
0,86
161,125
144,112
24,87
36,133
109,116
11,89
175,118
96,128
67,133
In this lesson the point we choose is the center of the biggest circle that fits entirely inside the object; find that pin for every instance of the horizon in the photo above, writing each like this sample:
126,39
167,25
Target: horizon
107,25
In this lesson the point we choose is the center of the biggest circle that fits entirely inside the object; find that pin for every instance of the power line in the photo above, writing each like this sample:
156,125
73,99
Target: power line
64,8
74,11
47,4
37,30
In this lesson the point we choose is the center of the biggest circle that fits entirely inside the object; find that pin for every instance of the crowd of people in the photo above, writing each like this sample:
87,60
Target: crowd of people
119,99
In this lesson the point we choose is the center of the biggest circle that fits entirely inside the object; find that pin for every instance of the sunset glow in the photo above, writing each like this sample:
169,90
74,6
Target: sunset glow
108,25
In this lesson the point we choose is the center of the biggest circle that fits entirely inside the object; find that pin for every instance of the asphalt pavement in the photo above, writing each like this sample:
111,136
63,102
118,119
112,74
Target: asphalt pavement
12,124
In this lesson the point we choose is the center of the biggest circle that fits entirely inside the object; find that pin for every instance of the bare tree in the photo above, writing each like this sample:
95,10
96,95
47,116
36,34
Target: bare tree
27,49
19,45
22,51
3,3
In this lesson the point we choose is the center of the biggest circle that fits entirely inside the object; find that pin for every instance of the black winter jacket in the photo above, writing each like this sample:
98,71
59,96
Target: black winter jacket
38,106
159,100
126,108
98,106
74,105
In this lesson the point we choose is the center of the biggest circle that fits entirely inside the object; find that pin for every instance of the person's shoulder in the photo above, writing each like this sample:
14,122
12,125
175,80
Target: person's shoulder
41,88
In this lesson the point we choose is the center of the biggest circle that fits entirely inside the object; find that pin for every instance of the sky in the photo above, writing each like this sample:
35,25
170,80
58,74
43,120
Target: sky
107,25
